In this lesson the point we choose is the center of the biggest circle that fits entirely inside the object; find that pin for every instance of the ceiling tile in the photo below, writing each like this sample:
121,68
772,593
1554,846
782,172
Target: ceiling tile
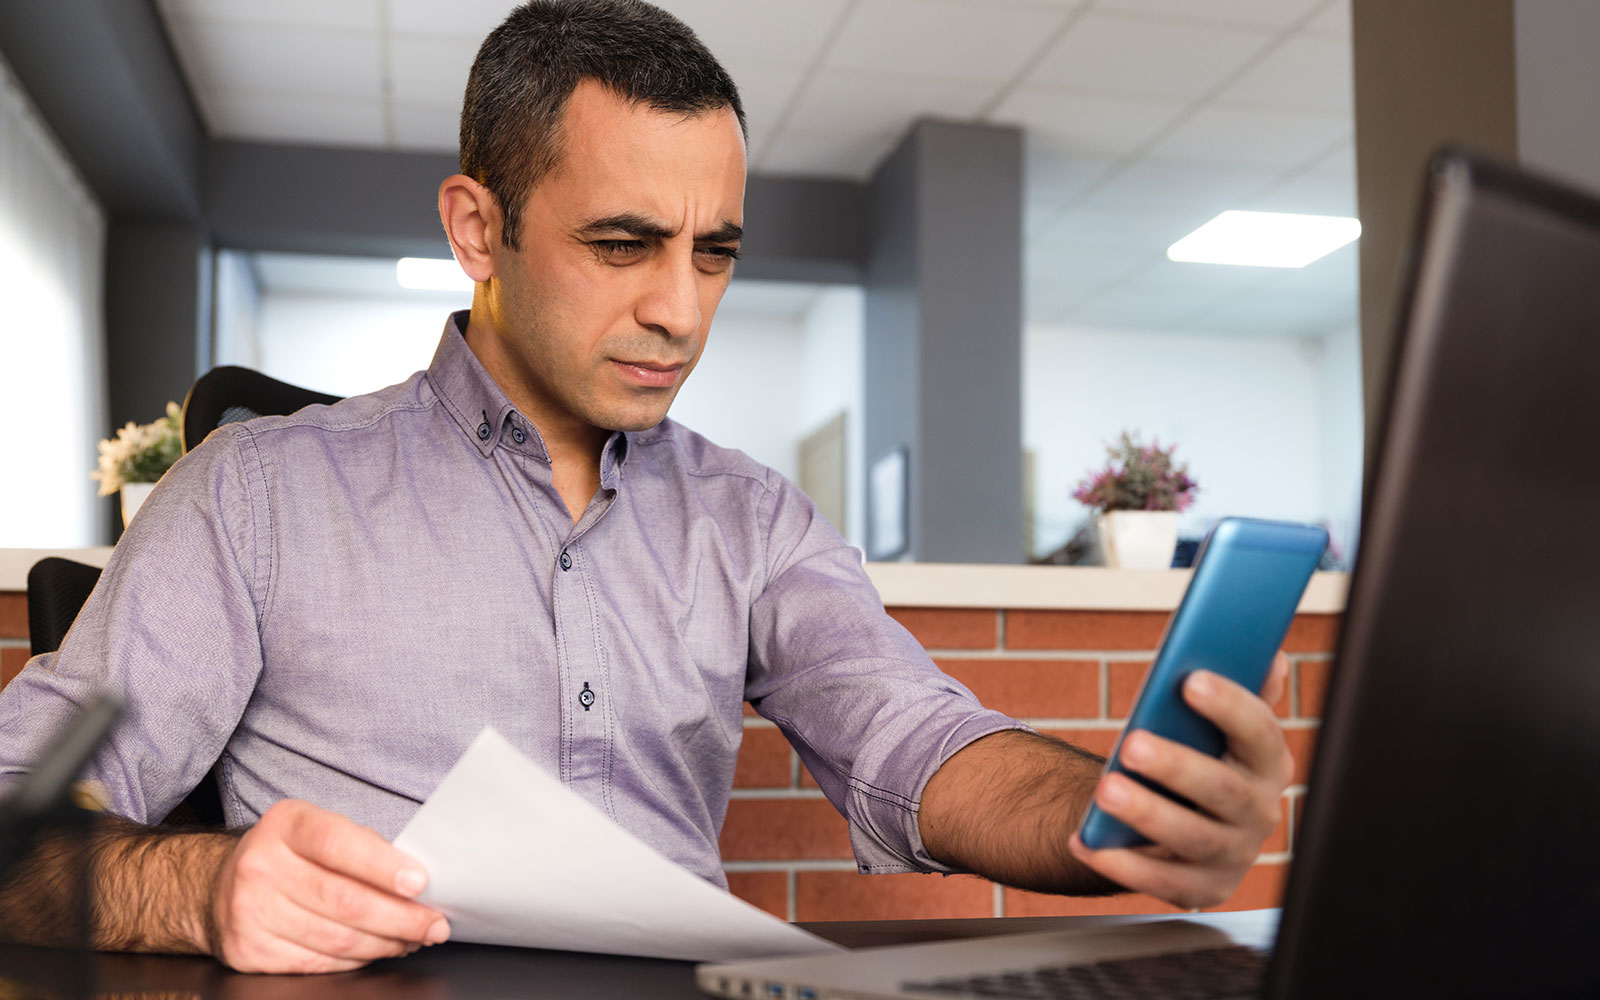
1334,20
1316,192
936,38
1131,306
1087,123
363,14
465,18
1150,184
1149,232
1127,56
316,121
1260,13
425,129
788,33
1310,71
765,91
1224,134
826,154
430,71
265,60
1269,311
1052,177
847,102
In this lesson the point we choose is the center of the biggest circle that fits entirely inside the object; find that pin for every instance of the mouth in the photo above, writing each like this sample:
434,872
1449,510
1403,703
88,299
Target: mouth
650,374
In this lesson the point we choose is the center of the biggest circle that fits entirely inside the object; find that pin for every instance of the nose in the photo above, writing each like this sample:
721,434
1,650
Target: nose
671,303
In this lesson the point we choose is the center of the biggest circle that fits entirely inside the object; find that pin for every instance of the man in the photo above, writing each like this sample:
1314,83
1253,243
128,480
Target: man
332,604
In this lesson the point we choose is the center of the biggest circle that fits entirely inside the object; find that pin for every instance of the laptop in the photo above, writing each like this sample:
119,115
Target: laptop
1451,838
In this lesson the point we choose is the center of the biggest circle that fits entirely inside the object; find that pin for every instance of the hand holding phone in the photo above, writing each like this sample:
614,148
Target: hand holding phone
1247,582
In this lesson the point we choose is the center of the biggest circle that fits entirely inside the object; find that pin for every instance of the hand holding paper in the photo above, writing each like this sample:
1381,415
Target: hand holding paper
514,857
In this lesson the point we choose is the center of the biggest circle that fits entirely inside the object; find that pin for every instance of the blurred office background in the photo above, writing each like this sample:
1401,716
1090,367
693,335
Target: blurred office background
959,215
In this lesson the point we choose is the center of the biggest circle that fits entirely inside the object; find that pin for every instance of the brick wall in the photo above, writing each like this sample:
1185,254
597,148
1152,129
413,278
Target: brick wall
1071,674
13,634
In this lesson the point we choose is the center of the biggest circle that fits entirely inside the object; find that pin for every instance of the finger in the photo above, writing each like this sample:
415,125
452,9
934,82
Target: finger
267,951
1180,883
339,844
1254,737
1216,787
1277,679
334,939
1185,833
362,908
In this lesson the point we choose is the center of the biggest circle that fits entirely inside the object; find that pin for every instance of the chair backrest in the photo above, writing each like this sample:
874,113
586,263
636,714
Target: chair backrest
229,393
57,590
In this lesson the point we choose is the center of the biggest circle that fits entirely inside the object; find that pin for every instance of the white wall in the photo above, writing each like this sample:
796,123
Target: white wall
744,394
1247,413
52,353
1343,431
236,340
832,381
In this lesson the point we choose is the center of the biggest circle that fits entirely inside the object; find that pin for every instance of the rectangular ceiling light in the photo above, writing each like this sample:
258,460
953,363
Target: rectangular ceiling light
1265,239
424,274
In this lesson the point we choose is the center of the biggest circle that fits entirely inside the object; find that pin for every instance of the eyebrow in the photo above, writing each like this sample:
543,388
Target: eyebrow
643,228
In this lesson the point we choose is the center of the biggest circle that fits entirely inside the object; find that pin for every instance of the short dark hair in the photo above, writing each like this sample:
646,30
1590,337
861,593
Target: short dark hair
529,66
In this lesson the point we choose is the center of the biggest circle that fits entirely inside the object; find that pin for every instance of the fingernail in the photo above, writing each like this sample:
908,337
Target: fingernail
1200,683
438,932
410,881
1135,751
1112,793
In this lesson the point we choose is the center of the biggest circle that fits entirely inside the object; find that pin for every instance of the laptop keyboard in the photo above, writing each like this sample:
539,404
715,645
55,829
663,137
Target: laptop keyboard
1207,974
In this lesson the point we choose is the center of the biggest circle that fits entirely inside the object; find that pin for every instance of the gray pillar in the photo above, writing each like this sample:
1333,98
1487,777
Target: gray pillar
1558,77
943,366
158,278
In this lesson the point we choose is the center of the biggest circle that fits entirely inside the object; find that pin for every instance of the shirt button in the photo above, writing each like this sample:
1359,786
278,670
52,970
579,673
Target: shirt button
517,435
483,431
566,561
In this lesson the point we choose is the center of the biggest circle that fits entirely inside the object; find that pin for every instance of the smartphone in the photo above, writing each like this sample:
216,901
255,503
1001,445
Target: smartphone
1248,579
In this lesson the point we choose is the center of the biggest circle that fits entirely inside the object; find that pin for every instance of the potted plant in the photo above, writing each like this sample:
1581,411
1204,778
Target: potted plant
138,456
1137,498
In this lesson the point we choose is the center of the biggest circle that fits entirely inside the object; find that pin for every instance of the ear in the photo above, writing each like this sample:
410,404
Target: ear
471,218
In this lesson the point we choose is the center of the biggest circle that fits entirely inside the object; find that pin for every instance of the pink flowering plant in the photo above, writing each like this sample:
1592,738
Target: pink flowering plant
1138,477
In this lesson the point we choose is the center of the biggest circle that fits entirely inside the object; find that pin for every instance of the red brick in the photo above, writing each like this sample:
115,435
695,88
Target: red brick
749,712
852,896
1278,842
1019,903
1097,741
763,760
951,628
766,890
1123,679
1313,687
1261,887
13,615
1084,629
1300,745
1051,689
784,830
12,660
1312,634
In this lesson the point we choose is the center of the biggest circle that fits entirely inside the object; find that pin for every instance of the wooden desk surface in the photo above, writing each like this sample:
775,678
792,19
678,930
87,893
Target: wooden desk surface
470,971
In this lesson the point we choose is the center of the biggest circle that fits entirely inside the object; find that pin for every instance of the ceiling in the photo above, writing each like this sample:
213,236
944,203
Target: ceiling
1144,118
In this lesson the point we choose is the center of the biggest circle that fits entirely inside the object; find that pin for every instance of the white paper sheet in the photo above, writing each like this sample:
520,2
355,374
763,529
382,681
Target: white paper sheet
514,857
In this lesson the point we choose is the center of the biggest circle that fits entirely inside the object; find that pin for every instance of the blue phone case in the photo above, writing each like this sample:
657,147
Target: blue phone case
1247,583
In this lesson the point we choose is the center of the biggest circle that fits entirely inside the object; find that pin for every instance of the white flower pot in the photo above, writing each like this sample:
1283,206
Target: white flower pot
1139,539
133,497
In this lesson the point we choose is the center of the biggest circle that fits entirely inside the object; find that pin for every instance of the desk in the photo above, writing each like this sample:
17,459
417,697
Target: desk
479,972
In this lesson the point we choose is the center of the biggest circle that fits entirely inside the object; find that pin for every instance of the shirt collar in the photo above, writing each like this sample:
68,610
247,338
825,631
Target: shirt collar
480,407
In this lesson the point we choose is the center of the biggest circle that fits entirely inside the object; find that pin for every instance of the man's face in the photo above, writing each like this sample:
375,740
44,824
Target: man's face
626,249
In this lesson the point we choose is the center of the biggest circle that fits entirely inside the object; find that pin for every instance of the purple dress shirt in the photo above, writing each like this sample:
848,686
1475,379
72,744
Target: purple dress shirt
331,605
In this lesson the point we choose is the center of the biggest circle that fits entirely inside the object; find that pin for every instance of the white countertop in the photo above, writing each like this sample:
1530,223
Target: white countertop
930,585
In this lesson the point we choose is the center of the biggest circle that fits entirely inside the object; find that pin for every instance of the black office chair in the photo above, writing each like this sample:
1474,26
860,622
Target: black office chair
229,393
57,590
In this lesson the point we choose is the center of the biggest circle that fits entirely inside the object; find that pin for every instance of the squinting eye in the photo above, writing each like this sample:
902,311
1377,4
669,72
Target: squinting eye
620,247
727,253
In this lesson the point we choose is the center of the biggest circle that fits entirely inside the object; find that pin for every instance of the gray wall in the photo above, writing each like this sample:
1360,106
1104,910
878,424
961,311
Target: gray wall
1558,86
943,366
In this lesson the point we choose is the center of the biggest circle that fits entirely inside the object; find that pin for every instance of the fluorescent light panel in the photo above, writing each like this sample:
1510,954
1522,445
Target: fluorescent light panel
424,274
1265,239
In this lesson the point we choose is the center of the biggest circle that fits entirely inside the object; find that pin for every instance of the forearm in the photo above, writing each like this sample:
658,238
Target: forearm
1005,806
149,890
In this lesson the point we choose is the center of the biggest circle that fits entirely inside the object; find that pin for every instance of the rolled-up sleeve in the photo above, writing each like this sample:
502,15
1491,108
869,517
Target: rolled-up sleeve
171,630
869,713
